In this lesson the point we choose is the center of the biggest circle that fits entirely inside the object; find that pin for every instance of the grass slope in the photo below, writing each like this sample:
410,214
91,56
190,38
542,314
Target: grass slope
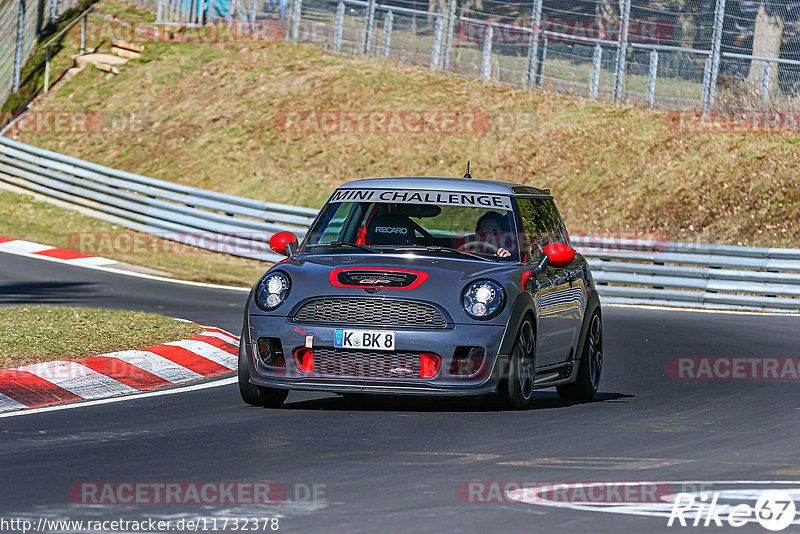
214,115
31,334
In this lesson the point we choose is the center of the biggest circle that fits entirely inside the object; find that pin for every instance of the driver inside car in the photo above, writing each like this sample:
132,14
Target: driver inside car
491,227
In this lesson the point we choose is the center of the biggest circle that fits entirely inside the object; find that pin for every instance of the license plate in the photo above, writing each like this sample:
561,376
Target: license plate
363,339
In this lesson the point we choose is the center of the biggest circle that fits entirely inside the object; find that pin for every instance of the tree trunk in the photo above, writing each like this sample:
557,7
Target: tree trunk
767,39
607,25
687,21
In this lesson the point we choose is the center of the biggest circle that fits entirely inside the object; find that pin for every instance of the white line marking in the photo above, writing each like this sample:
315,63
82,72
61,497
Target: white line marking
174,391
20,246
697,310
130,273
224,337
206,350
157,365
94,260
7,403
531,495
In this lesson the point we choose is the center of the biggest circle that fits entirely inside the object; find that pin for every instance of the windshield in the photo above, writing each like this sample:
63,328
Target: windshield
480,231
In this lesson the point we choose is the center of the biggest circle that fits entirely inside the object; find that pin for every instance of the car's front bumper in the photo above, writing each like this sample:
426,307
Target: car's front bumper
442,342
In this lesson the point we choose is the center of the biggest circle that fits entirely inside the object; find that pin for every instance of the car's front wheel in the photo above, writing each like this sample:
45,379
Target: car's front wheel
516,391
257,395
590,365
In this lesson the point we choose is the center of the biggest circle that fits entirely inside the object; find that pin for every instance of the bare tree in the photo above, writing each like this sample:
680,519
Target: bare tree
607,18
767,36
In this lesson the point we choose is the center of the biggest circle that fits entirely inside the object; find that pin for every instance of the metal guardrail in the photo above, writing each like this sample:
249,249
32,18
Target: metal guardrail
694,274
212,220
627,271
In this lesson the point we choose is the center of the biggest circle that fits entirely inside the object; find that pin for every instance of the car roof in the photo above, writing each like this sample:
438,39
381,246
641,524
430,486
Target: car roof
446,184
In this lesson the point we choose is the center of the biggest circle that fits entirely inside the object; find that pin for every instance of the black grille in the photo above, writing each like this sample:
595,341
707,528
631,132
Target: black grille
365,364
370,312
376,278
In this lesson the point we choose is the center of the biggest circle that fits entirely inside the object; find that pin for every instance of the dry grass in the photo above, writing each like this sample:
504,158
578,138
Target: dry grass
214,109
31,334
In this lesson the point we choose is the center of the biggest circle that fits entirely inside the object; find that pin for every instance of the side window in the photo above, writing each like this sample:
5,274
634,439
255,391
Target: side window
540,224
334,224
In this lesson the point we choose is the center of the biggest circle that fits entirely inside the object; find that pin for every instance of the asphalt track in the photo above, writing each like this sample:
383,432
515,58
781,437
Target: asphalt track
393,465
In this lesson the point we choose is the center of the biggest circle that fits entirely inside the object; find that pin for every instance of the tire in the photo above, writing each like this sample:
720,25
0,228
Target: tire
257,395
516,391
590,365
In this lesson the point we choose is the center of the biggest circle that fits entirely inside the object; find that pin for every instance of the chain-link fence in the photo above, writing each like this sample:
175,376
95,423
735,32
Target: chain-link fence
714,54
677,54
22,22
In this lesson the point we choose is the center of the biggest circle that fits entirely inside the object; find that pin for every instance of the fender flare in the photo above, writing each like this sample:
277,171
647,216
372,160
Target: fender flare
522,305
592,304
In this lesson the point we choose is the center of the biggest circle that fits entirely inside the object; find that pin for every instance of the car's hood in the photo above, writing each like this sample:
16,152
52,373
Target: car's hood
444,277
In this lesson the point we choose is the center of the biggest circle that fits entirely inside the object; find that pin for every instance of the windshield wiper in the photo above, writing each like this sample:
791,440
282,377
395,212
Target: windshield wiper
340,244
437,248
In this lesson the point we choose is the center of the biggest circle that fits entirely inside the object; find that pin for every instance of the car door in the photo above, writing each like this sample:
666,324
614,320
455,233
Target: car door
556,291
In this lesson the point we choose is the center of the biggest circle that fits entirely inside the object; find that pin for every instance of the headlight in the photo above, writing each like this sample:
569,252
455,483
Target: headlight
272,291
483,299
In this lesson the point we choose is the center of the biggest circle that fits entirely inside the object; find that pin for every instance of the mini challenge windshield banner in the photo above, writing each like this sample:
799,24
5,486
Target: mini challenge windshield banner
448,198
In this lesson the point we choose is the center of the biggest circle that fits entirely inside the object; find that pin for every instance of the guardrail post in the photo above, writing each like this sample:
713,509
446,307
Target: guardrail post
47,71
765,81
450,31
486,64
597,63
622,51
83,34
438,30
252,16
337,31
651,79
159,10
387,33
706,84
716,53
18,50
533,47
230,10
297,7
369,21
542,60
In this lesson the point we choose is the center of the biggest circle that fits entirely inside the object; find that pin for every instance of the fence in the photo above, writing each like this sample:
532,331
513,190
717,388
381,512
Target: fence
21,24
177,212
674,54
626,271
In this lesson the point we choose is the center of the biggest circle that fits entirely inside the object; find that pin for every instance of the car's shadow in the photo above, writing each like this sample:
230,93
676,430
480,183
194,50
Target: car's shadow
43,292
377,403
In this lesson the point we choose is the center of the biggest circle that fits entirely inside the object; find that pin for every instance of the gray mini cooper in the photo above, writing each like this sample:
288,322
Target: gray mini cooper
425,286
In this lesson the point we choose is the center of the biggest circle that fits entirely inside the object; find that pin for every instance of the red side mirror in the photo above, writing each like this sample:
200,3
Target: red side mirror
283,243
559,254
